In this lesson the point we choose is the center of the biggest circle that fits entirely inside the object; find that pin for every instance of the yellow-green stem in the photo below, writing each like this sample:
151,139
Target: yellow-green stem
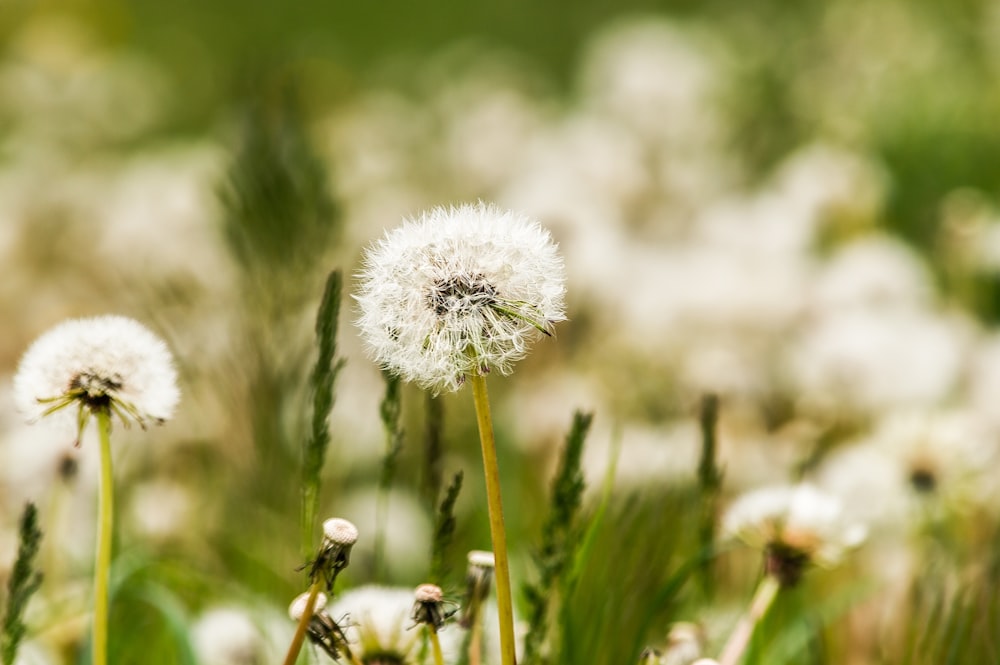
767,590
476,642
102,559
505,606
436,645
300,629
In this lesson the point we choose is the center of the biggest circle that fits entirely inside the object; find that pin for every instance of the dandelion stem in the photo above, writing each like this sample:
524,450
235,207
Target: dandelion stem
435,645
105,525
767,590
499,535
476,642
300,630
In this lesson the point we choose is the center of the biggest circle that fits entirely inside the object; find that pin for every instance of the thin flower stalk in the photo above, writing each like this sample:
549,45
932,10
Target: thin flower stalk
105,526
498,533
763,598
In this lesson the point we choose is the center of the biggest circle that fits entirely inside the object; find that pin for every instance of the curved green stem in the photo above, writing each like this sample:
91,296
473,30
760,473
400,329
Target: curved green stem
300,630
762,599
105,526
505,606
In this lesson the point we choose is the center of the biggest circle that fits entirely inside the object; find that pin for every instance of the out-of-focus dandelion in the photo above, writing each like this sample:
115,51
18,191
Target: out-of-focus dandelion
104,366
452,296
226,636
794,527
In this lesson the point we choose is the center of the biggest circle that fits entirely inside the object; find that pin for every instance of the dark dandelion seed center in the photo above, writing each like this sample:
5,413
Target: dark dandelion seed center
96,391
460,295
786,563
923,480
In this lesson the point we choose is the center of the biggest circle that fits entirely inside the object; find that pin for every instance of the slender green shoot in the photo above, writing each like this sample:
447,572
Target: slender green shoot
709,483
23,583
322,381
444,529
560,539
390,412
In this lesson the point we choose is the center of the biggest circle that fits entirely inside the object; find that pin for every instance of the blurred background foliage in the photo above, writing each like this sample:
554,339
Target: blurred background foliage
202,166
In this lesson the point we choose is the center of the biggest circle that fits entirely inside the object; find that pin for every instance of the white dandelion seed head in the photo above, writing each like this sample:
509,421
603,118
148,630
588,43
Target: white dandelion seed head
107,361
459,290
227,636
799,518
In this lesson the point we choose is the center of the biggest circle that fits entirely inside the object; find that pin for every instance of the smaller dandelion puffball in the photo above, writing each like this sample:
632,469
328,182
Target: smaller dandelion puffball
457,291
106,363
794,526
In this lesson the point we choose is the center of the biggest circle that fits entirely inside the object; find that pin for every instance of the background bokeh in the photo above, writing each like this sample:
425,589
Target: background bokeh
793,206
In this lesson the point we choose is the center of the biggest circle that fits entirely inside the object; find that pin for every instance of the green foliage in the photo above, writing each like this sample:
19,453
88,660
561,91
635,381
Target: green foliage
390,413
629,576
560,539
24,581
280,220
952,626
280,215
322,380
444,530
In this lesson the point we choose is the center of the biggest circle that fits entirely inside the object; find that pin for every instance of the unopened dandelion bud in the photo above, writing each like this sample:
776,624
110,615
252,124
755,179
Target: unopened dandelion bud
478,580
428,606
298,606
322,630
339,536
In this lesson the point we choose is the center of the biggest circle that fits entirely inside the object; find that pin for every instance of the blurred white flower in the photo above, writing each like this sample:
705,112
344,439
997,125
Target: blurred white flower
655,77
379,625
162,509
864,361
227,636
459,290
794,526
875,272
407,530
685,644
938,452
110,363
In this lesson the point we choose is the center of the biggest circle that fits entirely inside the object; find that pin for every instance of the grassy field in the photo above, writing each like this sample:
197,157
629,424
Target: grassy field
781,236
